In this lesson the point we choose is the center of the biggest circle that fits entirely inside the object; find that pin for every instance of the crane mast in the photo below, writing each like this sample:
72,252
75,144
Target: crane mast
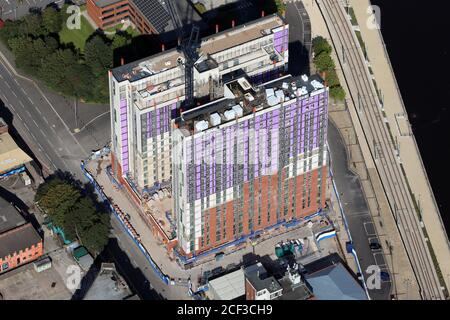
189,49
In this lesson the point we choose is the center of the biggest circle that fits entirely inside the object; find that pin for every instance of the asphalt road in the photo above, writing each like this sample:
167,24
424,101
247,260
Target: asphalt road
356,211
299,38
382,148
45,122
12,9
39,125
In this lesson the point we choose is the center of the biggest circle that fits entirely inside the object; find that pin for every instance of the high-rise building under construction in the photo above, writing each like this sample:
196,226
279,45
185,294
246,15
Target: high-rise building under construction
249,155
249,161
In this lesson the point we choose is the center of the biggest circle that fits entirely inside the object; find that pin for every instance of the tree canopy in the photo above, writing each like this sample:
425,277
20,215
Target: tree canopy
76,213
61,67
324,63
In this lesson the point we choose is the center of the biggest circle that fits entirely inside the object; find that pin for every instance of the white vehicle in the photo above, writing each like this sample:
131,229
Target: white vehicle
25,178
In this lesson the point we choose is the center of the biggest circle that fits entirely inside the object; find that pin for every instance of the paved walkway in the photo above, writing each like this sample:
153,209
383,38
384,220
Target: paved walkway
409,152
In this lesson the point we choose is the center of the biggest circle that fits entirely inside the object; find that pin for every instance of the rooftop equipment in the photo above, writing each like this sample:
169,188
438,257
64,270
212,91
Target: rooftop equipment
201,125
229,115
215,119
238,110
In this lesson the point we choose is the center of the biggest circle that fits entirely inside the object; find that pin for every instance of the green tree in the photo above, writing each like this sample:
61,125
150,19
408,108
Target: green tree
58,199
98,55
96,237
119,41
11,29
324,62
332,78
320,45
33,25
281,7
337,93
52,20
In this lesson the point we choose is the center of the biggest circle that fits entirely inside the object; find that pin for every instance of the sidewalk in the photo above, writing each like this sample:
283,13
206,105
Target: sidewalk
409,152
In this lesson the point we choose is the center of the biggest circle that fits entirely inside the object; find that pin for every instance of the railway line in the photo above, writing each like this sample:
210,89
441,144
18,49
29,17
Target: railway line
382,147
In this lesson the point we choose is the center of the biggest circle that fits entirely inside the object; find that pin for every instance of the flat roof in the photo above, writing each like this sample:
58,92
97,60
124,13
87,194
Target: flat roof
229,286
18,239
10,218
240,34
157,63
258,277
287,85
157,13
108,285
11,156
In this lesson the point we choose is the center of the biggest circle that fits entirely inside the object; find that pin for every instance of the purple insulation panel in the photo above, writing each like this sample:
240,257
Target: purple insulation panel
124,135
281,40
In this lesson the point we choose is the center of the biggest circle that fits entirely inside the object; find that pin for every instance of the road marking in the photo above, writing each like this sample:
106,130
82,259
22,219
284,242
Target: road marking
30,100
45,120
43,133
367,232
15,95
379,261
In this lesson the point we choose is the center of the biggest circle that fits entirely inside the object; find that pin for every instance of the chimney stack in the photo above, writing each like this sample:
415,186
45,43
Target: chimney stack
232,23
163,47
217,28
122,61
262,13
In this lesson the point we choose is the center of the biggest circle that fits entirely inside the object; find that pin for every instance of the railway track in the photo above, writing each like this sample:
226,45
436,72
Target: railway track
382,147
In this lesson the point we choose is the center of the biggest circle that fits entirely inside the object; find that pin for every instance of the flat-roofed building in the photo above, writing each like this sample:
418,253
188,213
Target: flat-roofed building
19,241
12,158
149,16
228,287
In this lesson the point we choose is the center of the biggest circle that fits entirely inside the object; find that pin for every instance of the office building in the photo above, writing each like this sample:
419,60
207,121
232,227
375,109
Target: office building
149,16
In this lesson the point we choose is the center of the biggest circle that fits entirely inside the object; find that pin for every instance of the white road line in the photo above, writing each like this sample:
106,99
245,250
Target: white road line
15,95
43,133
45,120
30,100
21,103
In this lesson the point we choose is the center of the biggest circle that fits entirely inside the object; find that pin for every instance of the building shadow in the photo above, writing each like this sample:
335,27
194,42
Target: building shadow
298,59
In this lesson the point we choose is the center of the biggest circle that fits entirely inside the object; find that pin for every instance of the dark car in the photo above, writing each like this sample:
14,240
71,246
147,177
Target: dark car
375,246
384,276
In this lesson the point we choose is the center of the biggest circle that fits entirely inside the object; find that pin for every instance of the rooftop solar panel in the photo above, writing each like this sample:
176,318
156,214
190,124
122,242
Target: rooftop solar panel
156,13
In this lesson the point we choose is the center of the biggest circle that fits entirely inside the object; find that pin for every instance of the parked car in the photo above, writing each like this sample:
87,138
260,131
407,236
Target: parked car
384,276
375,246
